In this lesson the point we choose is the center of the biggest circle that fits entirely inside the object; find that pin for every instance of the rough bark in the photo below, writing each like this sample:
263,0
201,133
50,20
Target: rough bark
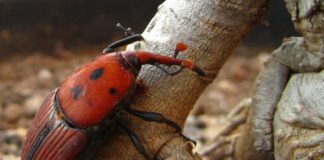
256,137
211,29
286,120
299,120
223,143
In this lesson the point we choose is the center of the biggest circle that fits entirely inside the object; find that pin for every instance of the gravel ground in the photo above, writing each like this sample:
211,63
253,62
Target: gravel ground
26,80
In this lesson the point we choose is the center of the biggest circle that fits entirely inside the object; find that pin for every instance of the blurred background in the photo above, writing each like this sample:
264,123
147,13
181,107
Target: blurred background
42,41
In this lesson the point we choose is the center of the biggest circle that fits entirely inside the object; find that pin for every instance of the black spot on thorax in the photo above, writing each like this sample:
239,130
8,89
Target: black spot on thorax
96,73
112,91
76,92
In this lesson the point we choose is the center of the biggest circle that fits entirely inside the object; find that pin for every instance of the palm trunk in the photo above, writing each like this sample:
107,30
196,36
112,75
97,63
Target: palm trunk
211,29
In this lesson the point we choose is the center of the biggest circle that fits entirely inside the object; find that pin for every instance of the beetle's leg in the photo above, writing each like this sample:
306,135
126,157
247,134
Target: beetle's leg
135,140
171,73
127,40
157,117
179,47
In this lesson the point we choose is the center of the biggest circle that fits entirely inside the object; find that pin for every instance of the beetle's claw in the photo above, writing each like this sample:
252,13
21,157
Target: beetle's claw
188,139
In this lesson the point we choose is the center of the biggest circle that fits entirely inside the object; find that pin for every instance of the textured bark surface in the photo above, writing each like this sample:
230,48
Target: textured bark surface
286,120
211,29
256,138
299,120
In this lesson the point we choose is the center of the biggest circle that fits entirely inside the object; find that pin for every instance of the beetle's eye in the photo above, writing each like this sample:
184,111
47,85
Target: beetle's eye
132,59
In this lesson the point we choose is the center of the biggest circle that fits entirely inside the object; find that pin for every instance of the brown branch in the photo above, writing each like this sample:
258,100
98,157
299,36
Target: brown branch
211,29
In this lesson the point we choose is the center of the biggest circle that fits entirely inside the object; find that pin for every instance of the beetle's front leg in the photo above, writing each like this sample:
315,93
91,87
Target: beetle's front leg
171,73
159,118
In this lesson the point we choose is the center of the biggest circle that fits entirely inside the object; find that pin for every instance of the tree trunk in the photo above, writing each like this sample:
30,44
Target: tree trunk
211,29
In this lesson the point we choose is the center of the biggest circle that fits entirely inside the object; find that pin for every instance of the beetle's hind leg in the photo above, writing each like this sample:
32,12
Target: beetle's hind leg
135,140
159,118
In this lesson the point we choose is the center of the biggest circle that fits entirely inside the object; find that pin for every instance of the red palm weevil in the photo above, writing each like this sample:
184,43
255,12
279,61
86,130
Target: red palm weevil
86,105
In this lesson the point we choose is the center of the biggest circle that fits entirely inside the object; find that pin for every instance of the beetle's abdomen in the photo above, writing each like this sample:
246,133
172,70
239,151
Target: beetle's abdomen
88,95
50,137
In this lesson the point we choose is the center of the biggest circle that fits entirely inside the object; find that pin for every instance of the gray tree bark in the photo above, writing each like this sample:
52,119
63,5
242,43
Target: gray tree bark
211,29
286,119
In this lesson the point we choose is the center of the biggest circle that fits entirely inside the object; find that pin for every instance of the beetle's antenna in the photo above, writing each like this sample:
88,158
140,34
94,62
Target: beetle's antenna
130,38
118,25
128,31
179,47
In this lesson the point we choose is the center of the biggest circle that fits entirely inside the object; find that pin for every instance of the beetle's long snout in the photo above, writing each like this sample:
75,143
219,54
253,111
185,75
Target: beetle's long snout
154,59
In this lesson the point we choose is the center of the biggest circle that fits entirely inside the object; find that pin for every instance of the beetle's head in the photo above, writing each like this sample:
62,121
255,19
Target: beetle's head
133,61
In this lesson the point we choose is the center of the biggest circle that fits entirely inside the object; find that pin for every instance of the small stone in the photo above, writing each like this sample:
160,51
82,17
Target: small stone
44,75
45,79
32,104
11,157
25,87
11,137
21,133
13,112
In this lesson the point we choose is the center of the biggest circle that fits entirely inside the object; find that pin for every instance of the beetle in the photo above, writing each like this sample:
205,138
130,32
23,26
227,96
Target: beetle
84,108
